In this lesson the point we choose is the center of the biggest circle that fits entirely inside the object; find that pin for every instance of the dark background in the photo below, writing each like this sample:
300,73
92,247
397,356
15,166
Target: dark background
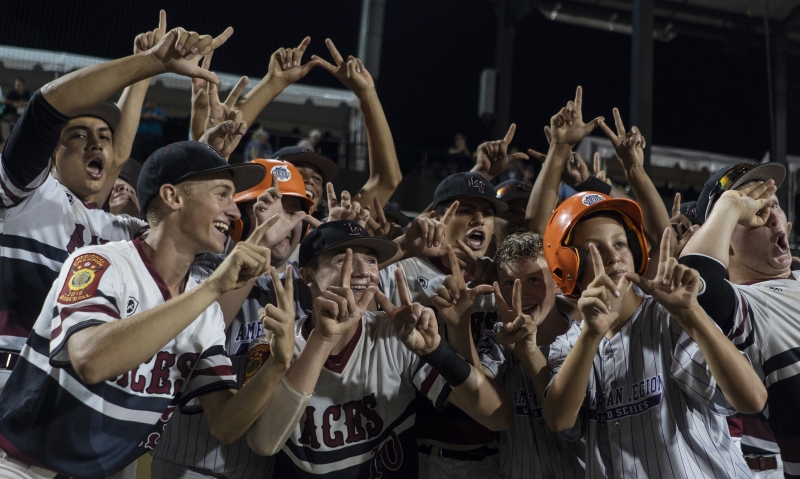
708,95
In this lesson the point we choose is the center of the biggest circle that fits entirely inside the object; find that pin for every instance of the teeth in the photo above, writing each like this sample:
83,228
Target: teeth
310,194
358,287
221,226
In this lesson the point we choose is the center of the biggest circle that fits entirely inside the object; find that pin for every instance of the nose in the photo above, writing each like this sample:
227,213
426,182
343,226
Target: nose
477,219
359,267
232,211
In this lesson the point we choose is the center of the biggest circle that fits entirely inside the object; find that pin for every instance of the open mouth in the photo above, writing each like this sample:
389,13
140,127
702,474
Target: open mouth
781,243
616,274
221,227
529,309
476,239
95,168
310,194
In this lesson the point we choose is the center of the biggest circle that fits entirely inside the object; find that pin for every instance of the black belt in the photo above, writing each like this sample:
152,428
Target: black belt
761,463
8,360
472,455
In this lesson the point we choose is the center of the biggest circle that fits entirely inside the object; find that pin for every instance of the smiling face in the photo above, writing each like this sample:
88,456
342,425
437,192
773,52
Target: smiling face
608,235
284,249
538,288
205,211
313,181
762,252
326,271
84,152
123,200
473,223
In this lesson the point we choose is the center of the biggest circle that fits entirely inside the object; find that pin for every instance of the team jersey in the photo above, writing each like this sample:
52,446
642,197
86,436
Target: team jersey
187,440
52,419
41,222
652,408
529,448
360,420
767,327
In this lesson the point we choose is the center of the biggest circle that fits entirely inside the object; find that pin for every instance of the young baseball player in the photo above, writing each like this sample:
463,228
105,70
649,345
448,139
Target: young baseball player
365,367
745,233
127,335
639,377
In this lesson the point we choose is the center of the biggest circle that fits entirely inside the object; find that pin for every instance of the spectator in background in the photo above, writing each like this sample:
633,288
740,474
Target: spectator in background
150,135
258,146
15,102
312,142
123,199
459,156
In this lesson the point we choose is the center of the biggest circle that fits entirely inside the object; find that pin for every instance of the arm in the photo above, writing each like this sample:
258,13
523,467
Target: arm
493,158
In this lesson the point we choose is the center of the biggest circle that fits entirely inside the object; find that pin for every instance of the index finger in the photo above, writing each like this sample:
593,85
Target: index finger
597,261
379,211
288,282
676,205
222,38
275,182
516,301
304,44
162,21
207,61
596,161
233,96
337,57
262,229
347,269
384,302
402,286
454,266
666,245
451,211
618,122
510,134
332,203
578,98
498,299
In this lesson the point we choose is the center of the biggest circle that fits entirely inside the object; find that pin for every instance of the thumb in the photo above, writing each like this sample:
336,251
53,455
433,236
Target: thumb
589,127
481,289
517,157
648,286
307,68
206,75
385,303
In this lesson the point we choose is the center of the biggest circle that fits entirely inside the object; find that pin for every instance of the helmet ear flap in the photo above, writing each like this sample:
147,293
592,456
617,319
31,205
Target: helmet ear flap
583,257
635,247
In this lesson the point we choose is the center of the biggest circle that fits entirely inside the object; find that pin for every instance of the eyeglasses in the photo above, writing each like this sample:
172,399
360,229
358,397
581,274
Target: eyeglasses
726,182
512,188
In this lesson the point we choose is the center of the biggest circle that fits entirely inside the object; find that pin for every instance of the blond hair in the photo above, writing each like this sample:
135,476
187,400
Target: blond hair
519,245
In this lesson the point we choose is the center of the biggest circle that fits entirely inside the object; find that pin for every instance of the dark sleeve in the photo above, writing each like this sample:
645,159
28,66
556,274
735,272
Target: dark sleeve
717,298
32,141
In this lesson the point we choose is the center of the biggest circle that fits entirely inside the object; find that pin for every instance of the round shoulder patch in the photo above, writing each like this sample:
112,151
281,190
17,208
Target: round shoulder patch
589,200
282,173
84,277
256,358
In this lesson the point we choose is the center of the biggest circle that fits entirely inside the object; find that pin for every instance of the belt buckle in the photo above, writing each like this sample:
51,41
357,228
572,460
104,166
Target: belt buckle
440,453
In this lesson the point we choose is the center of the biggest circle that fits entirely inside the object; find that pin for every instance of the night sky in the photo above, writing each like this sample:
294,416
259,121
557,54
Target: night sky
708,95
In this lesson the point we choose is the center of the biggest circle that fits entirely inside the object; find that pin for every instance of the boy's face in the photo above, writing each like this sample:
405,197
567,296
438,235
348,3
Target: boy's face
764,249
608,235
538,288
472,223
329,270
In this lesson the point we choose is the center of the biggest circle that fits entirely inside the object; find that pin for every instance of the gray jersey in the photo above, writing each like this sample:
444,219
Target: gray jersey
187,439
650,406
529,448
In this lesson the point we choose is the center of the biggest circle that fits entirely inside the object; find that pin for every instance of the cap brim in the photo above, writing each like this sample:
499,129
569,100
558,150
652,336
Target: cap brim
383,248
108,112
244,176
326,167
499,205
398,217
763,172
516,195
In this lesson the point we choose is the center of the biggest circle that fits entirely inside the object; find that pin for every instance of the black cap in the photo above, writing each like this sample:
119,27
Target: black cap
300,154
130,172
467,185
343,233
392,211
184,160
689,210
738,175
106,111
513,189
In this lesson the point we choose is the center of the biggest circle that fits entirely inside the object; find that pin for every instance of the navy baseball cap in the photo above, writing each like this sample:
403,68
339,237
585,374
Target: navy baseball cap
299,154
184,160
392,210
130,172
513,189
732,177
343,233
106,111
468,184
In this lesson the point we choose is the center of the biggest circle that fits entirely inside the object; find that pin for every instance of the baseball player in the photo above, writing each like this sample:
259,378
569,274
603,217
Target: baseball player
639,378
515,194
44,216
744,234
364,367
103,371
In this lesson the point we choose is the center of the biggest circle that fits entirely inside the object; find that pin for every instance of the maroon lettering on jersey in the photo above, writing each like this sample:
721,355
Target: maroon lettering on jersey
473,182
390,453
152,440
332,414
123,380
76,238
375,424
352,418
138,382
160,383
309,435
85,274
185,365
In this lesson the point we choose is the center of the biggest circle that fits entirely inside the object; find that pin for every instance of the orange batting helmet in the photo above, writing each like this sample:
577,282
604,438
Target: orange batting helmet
567,262
290,183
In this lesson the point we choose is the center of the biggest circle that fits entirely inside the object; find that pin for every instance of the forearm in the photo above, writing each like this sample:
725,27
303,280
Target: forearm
460,339
568,390
544,195
106,351
733,373
538,370
304,371
258,98
655,216
198,115
88,86
231,302
384,169
714,237
483,401
279,418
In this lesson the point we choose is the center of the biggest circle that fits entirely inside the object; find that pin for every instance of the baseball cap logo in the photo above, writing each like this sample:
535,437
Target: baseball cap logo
282,173
589,200
355,230
473,182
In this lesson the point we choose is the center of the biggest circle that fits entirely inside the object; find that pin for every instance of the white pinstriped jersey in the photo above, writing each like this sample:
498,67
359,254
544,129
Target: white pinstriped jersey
650,405
50,417
767,328
360,420
529,448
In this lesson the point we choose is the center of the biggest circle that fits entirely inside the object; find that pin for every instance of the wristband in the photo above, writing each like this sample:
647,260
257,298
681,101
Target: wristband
593,183
448,364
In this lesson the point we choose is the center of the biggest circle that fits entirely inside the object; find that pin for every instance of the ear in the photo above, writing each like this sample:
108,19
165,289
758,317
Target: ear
307,277
433,215
171,197
788,230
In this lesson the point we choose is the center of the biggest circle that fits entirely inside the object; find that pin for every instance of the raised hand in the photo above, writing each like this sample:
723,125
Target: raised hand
752,202
567,126
336,310
225,136
425,236
453,298
600,304
518,333
414,324
675,285
346,209
599,172
246,262
179,51
146,41
279,320
493,157
268,205
378,224
575,171
199,113
683,228
628,145
285,64
219,112
351,73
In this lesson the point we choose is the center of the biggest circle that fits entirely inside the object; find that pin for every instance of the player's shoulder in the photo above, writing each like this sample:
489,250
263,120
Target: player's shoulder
112,252
781,286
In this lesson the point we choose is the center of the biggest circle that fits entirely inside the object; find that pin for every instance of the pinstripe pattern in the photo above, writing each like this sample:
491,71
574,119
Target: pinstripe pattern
647,412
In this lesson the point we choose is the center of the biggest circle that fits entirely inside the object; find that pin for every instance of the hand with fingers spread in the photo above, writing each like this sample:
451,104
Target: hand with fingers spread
199,113
575,171
146,41
682,227
346,209
425,236
518,333
179,51
351,73
336,310
220,112
285,64
493,157
279,320
628,145
453,299
414,324
246,262
600,304
752,202
226,136
567,126
379,225
268,205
